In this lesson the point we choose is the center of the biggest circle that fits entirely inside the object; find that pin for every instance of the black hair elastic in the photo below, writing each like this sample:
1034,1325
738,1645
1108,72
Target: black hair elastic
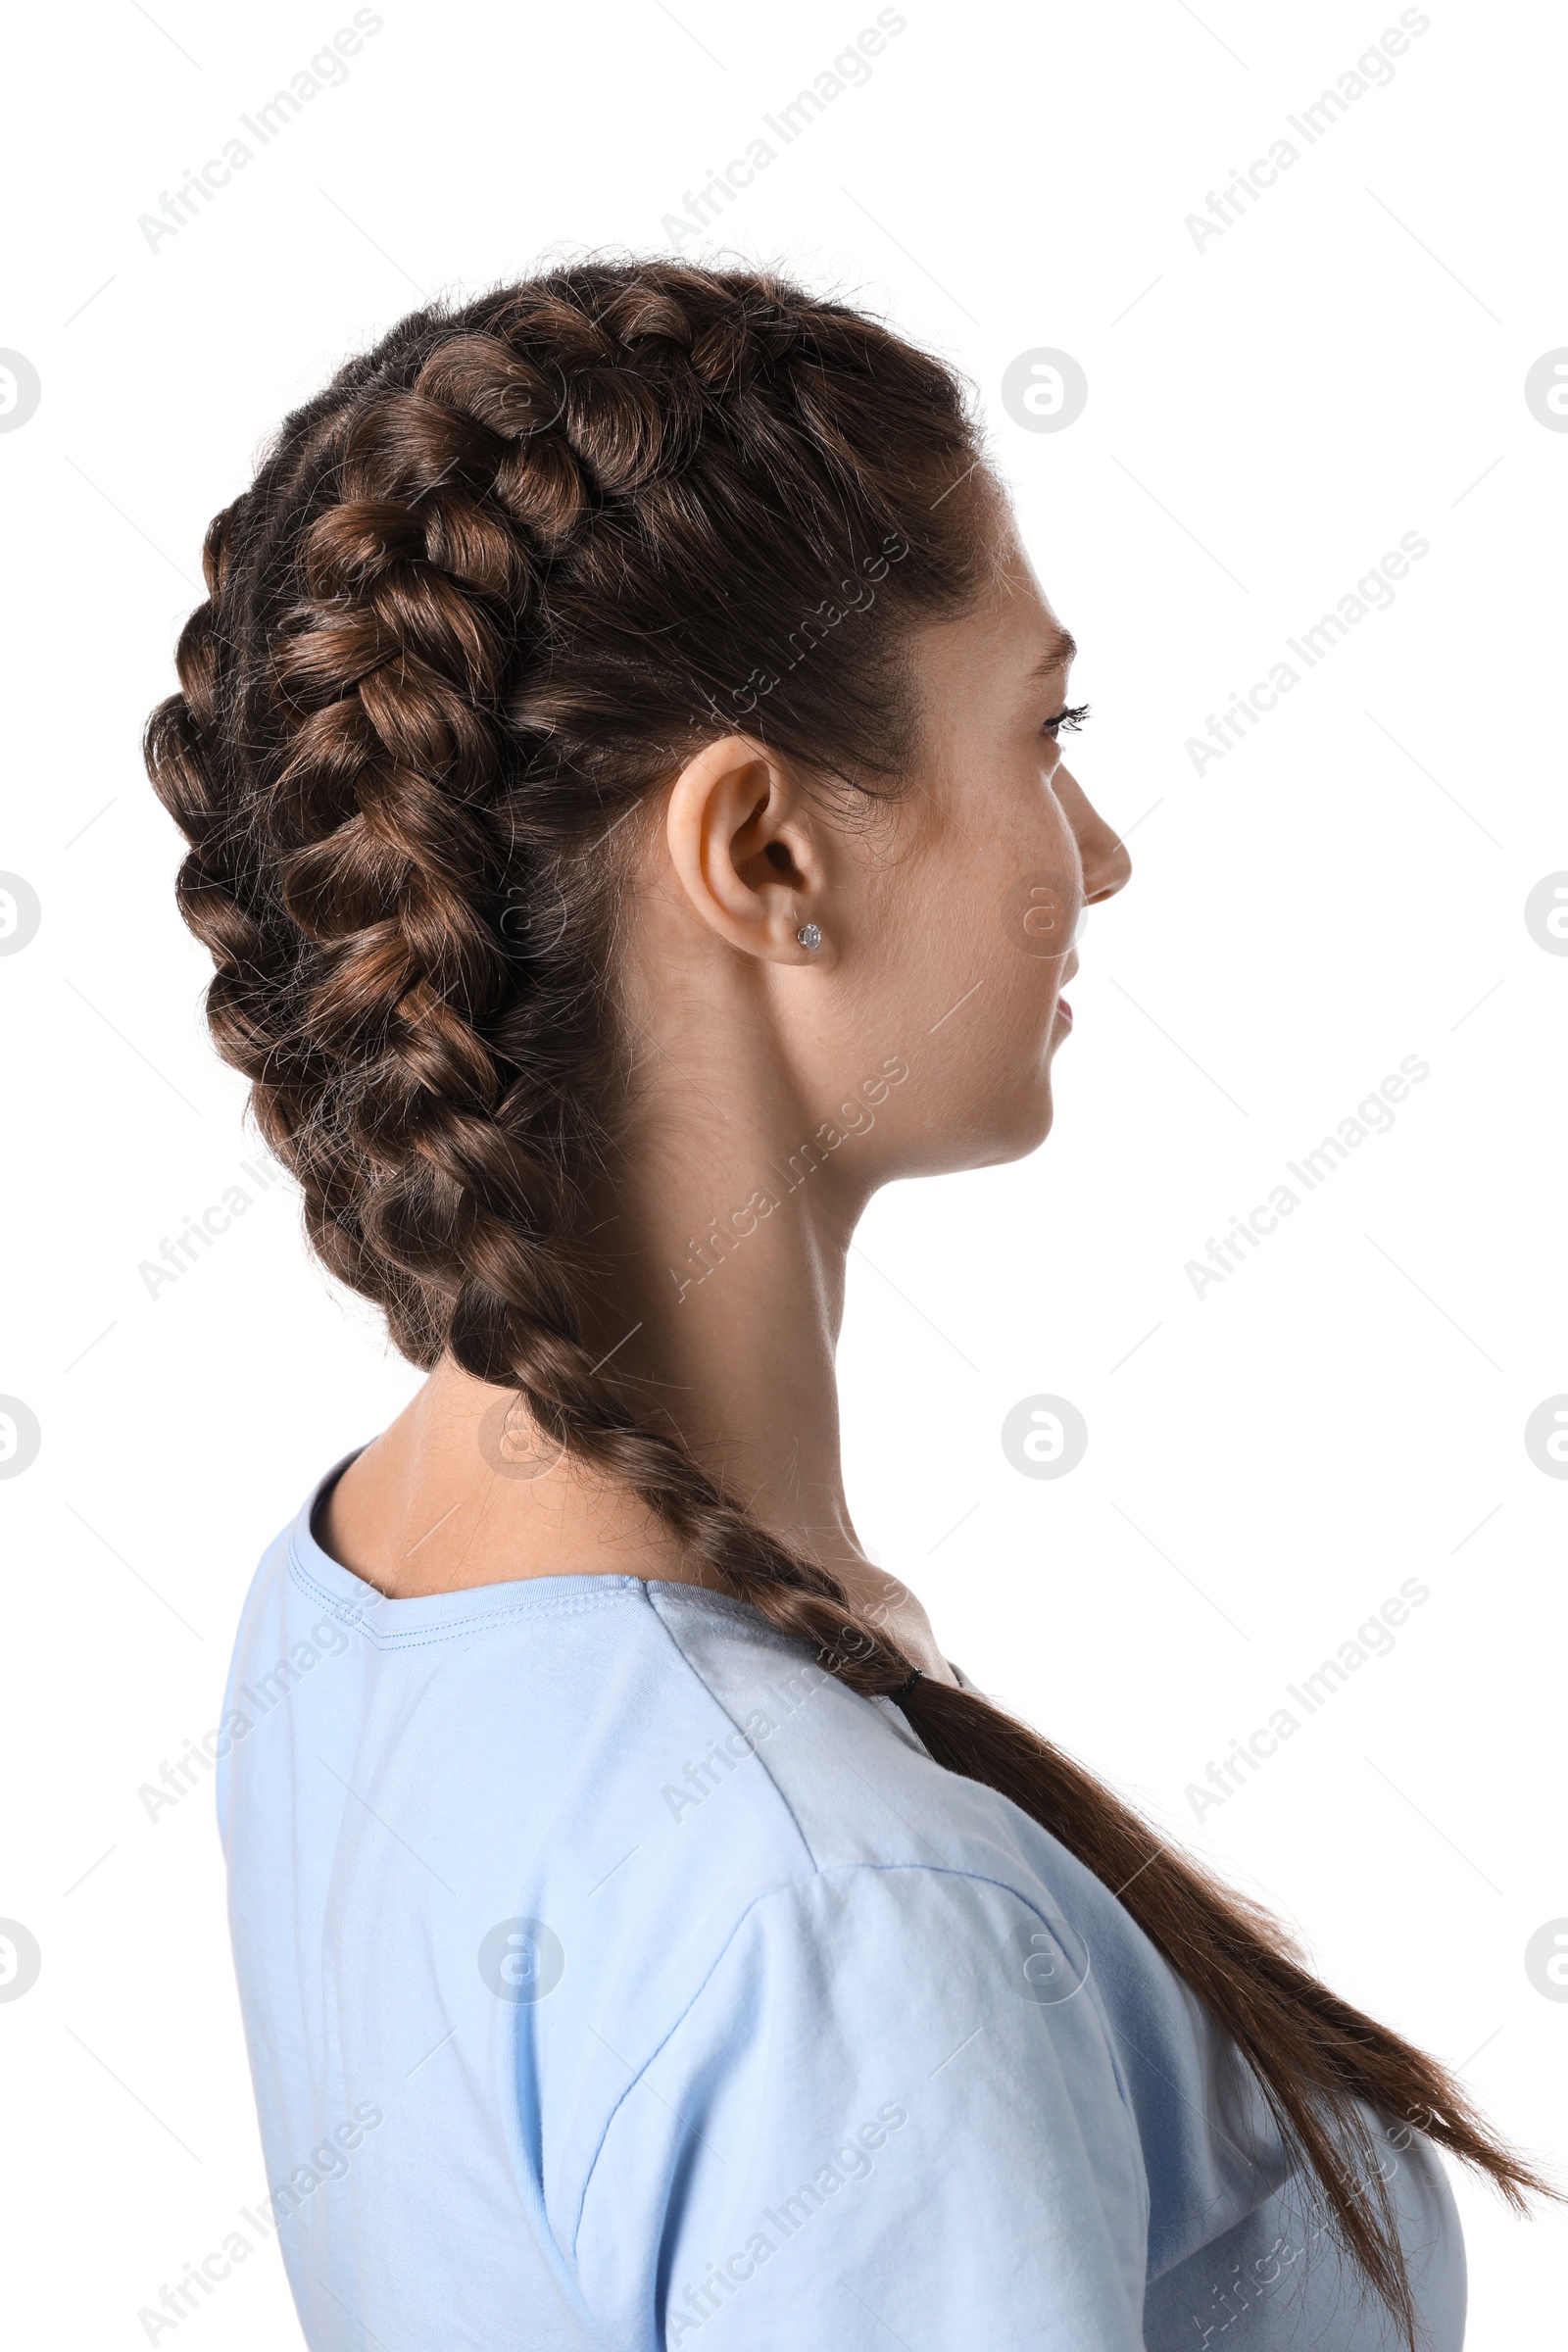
899,1695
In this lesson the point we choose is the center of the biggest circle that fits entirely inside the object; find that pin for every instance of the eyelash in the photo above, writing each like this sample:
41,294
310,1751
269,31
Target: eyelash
1071,718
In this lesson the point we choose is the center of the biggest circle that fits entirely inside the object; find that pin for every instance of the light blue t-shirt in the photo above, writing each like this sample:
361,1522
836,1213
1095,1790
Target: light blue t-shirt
613,1978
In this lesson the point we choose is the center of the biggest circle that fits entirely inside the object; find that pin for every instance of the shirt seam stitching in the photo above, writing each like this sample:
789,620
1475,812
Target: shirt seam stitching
707,1686
355,1613
935,1870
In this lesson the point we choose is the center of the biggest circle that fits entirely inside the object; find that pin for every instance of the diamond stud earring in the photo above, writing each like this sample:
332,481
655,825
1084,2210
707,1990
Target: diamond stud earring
809,936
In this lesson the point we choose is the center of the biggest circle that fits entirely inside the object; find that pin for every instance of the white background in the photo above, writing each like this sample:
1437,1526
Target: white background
1268,1463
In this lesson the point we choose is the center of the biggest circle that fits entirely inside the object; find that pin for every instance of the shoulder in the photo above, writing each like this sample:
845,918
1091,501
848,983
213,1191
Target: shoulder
805,1748
869,2056
805,1776
798,1837
886,1902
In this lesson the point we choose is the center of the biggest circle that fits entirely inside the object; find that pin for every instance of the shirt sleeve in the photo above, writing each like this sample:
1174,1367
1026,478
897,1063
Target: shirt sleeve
891,2114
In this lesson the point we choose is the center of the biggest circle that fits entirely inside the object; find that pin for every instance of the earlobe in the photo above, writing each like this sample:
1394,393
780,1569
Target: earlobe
745,851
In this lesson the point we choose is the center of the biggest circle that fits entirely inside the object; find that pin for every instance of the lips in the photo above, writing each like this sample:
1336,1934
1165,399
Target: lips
1064,1009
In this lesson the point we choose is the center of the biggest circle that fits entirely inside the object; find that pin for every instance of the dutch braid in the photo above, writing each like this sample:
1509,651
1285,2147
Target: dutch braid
454,634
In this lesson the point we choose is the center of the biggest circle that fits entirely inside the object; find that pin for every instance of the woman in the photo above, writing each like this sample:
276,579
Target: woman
619,754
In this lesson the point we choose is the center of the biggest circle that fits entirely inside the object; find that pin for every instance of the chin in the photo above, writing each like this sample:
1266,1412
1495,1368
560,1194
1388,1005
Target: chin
1011,1130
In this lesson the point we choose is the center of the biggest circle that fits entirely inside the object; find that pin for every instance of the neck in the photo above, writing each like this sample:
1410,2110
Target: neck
722,1230
723,1306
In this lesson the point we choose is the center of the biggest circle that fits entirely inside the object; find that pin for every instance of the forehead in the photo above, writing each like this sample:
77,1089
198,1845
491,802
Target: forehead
990,676
1016,613
1010,638
983,672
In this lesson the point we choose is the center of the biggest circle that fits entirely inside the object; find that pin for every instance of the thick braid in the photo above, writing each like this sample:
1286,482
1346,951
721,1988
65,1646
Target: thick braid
392,666
486,592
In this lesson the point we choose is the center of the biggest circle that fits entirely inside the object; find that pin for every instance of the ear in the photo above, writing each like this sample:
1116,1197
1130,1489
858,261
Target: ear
747,851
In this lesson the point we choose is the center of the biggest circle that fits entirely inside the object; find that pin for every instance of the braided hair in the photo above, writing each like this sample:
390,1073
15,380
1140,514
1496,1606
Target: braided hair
488,590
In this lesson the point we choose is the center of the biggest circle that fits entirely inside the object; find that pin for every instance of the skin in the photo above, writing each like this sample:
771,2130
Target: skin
935,960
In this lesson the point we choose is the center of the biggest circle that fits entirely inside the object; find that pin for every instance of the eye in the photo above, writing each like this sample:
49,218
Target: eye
1071,718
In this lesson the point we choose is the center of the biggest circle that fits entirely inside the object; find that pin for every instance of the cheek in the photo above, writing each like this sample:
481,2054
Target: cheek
1009,821
999,1040
1026,987
1024,828
991,896
1038,914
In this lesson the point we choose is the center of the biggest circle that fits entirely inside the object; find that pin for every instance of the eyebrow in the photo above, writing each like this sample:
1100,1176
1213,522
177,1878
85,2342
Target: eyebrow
1063,650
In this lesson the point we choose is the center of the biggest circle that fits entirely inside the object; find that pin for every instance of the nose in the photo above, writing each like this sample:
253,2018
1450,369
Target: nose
1106,866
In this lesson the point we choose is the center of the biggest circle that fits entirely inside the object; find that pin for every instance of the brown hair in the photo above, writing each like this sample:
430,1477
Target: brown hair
487,591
